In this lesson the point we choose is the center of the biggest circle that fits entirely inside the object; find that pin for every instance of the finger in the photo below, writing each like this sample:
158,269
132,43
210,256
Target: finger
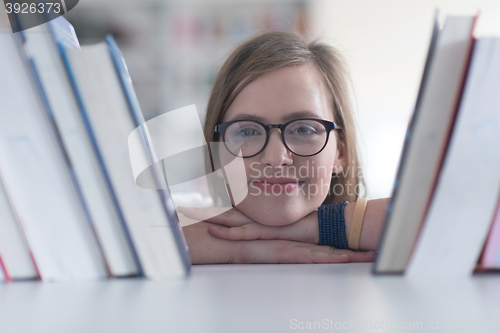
251,231
229,217
306,255
185,221
288,252
254,231
358,256
355,256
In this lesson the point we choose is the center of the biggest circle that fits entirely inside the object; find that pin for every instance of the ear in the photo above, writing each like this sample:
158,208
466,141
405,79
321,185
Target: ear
340,161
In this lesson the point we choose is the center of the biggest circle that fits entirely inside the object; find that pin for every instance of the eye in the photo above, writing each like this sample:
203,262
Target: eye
302,129
247,131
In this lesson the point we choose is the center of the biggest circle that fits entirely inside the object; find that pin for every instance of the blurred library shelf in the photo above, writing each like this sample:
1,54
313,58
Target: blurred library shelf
174,49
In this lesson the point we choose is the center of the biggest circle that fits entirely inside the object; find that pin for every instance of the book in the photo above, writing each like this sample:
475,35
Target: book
468,189
490,258
2,272
107,111
160,172
94,188
35,172
426,142
15,255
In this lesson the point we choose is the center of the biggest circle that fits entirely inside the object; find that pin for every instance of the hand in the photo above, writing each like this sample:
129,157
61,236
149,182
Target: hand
234,225
206,249
256,243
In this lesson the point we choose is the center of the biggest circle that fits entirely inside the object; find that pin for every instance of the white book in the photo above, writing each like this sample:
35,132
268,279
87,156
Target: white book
63,105
468,188
36,174
105,105
159,173
426,142
14,250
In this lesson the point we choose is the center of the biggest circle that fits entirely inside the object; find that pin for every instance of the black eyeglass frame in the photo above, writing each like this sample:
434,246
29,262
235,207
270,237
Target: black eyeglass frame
329,126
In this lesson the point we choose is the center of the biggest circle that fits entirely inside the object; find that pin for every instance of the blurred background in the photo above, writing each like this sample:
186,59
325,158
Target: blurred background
174,49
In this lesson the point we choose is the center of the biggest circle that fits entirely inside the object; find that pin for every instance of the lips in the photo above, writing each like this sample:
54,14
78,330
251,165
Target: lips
277,186
273,180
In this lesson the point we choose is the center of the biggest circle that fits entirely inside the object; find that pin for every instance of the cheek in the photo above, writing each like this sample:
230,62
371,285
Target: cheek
252,168
323,162
320,171
318,178
236,171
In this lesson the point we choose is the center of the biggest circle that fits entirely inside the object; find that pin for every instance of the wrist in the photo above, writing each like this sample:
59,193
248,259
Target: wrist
312,234
331,225
348,214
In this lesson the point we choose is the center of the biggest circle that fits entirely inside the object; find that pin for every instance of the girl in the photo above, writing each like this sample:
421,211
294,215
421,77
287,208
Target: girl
284,106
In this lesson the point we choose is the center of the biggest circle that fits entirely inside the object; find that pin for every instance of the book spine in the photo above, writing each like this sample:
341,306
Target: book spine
449,132
67,160
490,258
100,159
4,270
409,131
21,226
138,120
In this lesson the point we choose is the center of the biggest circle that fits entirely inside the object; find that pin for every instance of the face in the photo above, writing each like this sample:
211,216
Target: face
284,187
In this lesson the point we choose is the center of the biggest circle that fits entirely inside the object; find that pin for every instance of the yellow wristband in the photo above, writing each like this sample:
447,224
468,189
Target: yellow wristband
357,223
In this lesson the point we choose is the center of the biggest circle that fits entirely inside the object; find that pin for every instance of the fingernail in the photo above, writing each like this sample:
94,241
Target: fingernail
214,227
345,255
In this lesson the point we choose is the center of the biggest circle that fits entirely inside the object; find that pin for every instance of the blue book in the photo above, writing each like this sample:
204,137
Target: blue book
38,176
151,222
139,121
92,184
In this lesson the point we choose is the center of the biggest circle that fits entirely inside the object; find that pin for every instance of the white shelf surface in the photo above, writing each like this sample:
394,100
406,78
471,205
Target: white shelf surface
252,298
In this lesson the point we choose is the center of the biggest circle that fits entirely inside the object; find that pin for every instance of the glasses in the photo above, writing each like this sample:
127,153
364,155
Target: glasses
303,137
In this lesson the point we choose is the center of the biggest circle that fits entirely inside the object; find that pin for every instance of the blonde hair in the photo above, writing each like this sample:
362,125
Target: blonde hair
273,50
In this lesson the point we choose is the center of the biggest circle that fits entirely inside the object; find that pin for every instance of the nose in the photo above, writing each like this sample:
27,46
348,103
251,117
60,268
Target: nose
276,154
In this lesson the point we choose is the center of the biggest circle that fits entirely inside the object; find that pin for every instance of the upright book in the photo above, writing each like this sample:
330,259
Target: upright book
96,192
15,255
107,112
490,259
469,185
160,174
35,172
2,274
426,142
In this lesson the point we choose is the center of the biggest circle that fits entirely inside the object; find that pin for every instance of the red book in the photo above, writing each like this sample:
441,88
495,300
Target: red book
490,258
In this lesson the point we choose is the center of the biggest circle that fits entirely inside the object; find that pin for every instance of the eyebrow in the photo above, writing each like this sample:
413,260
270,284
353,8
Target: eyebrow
288,117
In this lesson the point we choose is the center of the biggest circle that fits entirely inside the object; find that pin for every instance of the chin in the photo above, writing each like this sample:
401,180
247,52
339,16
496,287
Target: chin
275,210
